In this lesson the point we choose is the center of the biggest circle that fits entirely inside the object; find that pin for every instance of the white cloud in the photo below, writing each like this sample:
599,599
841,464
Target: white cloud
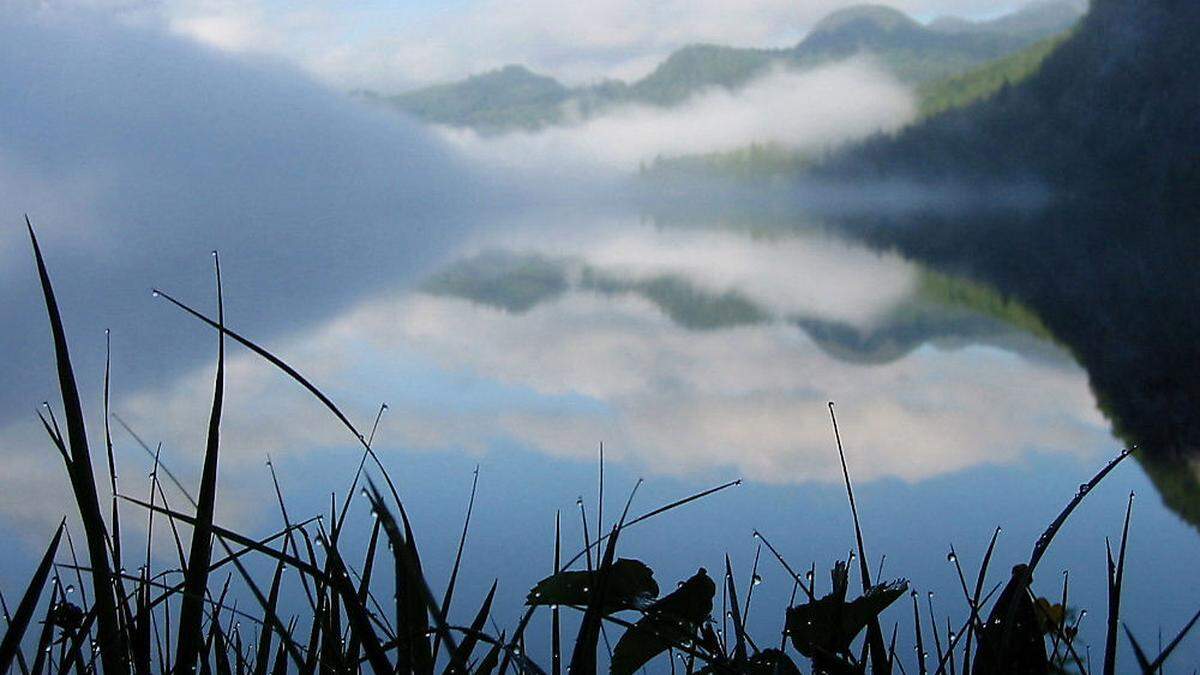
394,45
808,110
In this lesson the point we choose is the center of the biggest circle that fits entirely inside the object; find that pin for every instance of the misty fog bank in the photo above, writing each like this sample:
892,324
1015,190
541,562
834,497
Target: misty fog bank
808,111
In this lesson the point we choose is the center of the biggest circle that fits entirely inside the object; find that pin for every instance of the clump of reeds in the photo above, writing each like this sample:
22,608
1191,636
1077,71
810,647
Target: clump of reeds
183,620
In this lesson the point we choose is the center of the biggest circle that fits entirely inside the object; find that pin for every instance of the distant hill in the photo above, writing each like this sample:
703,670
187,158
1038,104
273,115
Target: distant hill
514,98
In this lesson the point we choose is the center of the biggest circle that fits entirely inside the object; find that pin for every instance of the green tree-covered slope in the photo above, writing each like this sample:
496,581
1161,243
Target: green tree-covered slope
513,98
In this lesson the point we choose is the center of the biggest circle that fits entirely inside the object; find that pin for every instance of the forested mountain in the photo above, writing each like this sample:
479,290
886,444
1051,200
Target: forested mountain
773,164
1115,108
514,98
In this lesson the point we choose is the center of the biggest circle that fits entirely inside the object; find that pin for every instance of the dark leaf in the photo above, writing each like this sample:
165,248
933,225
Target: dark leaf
671,621
829,625
631,585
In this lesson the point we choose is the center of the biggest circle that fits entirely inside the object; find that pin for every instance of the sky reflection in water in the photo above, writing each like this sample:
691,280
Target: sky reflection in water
722,367
696,355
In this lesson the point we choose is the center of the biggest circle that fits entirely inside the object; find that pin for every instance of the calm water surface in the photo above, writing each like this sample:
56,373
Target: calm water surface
697,355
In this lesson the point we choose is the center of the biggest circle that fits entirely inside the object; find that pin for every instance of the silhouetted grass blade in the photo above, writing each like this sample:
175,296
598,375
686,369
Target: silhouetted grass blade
7,621
739,630
462,542
920,635
409,577
1116,574
583,657
1043,542
356,612
460,659
200,555
364,589
974,625
555,627
874,633
263,653
488,664
83,480
1011,640
29,601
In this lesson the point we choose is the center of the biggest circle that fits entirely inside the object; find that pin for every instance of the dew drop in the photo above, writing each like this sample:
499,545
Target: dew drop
756,580
951,557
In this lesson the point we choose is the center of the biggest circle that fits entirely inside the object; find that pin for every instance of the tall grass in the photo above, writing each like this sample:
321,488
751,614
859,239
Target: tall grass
150,622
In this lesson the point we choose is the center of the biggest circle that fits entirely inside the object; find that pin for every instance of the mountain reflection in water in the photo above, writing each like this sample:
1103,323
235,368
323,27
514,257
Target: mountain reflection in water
689,352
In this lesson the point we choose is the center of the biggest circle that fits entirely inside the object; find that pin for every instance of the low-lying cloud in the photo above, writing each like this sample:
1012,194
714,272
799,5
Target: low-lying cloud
810,111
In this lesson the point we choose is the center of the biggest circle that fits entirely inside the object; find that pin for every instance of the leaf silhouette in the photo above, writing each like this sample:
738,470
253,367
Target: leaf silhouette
673,620
826,627
631,585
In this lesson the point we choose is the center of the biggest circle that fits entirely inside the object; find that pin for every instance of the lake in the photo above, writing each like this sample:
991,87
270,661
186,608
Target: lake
698,352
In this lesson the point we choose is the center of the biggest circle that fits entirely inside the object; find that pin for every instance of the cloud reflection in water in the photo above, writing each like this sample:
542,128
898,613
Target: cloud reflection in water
582,366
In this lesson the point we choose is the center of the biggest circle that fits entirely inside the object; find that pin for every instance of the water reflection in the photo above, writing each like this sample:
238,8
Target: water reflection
688,352
697,355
